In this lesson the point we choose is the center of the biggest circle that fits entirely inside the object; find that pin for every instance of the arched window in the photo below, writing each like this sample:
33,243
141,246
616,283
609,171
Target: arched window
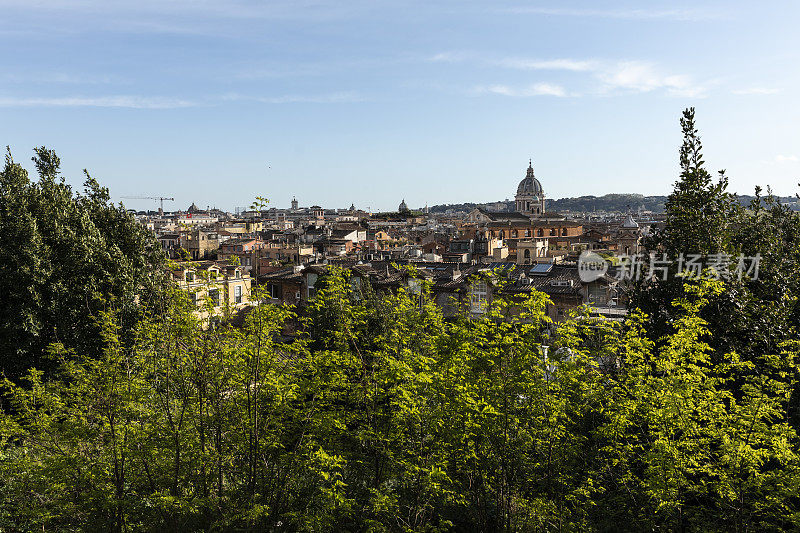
552,231
513,234
539,232
564,231
527,254
527,233
502,234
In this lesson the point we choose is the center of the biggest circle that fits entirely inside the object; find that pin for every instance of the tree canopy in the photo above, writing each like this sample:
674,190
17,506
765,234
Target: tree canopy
65,257
125,410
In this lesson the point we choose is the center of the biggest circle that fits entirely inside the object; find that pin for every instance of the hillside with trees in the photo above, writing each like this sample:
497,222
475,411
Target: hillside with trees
619,203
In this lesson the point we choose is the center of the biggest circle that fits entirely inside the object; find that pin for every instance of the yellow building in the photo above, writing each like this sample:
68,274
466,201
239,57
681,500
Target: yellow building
218,290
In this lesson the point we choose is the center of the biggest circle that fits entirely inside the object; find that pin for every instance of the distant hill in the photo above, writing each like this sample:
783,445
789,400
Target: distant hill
608,202
588,204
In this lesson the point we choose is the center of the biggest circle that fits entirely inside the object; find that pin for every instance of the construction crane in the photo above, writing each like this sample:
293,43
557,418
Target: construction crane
159,198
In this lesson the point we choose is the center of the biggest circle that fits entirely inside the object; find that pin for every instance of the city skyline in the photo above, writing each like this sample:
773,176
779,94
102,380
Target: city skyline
371,103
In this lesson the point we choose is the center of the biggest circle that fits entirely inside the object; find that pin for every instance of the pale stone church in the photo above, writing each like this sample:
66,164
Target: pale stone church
530,195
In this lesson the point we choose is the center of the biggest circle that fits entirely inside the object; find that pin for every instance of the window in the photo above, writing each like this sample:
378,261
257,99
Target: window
539,232
311,279
274,291
527,253
193,297
189,277
213,295
237,294
552,231
238,273
514,234
478,297
564,232
213,274
527,233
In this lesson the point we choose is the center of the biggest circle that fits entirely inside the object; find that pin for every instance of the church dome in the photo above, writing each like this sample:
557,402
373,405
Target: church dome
530,186
629,223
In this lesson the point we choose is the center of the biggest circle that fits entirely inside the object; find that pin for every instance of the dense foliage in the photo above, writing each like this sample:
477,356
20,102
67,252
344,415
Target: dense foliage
755,313
126,411
65,256
383,416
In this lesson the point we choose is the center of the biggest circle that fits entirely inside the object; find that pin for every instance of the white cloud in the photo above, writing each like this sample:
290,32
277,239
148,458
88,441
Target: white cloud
517,63
333,98
632,14
606,77
756,91
451,57
60,78
536,89
635,76
233,19
786,159
134,102
230,9
548,64
142,102
642,76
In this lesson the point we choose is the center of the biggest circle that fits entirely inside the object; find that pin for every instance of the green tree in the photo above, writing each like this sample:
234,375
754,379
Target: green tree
699,210
755,313
697,442
699,213
66,256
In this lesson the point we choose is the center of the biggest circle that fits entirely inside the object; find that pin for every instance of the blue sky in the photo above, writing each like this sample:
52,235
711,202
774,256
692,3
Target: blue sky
370,102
